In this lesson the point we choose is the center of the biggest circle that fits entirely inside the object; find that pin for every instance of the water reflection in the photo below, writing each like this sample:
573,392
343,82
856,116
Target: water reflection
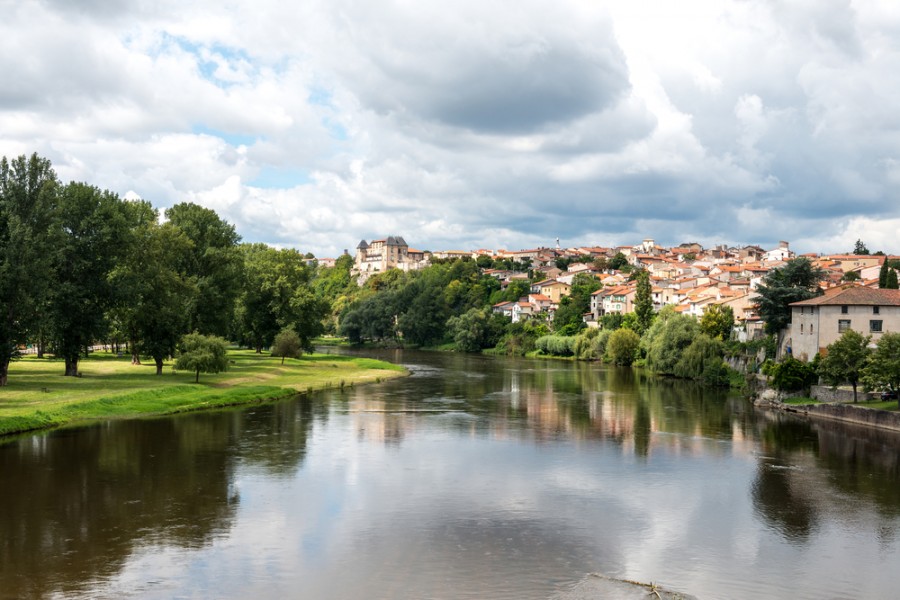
77,503
475,477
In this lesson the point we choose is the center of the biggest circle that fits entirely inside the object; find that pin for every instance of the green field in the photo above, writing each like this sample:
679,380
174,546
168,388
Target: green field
39,396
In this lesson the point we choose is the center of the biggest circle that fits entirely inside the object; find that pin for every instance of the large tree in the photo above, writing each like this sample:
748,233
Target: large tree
151,289
667,339
883,369
797,280
93,234
89,231
215,263
28,190
846,359
275,281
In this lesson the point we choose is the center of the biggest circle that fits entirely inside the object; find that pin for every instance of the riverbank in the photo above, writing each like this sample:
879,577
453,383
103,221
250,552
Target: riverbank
868,413
39,397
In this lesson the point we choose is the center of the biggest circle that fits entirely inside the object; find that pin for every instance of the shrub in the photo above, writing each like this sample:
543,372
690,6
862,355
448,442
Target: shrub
556,345
622,346
792,375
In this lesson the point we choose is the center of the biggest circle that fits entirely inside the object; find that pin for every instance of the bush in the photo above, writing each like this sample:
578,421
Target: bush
556,345
703,353
623,346
792,375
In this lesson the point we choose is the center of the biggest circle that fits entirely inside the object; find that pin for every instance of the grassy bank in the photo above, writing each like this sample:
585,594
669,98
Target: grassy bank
38,396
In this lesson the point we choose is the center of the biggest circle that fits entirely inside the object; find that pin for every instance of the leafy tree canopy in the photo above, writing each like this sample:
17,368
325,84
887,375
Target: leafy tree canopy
797,280
202,354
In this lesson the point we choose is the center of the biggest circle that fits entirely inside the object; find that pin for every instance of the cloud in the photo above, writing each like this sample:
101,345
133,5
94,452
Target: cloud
472,125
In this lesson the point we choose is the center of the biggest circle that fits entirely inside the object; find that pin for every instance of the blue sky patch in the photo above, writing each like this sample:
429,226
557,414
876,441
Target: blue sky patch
280,177
234,139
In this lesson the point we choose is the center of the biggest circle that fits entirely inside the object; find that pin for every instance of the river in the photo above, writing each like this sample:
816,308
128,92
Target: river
475,477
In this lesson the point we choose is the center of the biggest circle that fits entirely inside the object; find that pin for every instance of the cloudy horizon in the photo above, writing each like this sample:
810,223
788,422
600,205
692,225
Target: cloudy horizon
474,125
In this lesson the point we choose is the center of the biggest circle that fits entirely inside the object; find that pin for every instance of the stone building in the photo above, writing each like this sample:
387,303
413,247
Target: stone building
820,321
390,253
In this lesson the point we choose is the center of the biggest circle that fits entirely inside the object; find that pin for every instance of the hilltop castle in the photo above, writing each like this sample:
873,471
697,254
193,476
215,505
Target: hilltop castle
390,253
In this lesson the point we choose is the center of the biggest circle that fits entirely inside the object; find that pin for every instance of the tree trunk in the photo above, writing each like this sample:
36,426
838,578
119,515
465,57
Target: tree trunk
258,349
72,366
854,391
159,365
282,359
4,370
197,379
40,346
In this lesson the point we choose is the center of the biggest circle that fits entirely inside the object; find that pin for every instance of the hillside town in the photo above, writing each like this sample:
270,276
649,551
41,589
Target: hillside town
688,277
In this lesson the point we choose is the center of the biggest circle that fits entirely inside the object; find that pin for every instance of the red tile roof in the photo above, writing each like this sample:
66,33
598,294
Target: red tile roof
854,295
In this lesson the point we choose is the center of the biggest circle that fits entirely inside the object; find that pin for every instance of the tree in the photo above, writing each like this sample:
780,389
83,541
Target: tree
93,234
883,369
891,282
569,317
846,359
287,345
151,291
797,280
371,318
791,375
702,355
202,354
275,295
860,248
622,346
28,191
617,262
882,274
215,264
718,322
643,302
475,329
851,276
667,339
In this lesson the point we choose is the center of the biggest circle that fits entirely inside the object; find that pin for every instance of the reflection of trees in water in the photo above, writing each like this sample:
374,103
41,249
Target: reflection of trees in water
809,468
274,436
641,429
77,503
863,461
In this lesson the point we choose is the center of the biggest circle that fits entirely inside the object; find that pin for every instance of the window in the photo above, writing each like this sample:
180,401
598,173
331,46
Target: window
801,327
875,326
844,310
843,325
876,310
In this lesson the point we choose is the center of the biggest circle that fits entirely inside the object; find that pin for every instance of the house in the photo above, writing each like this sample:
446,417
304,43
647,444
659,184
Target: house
818,322
617,299
782,253
551,288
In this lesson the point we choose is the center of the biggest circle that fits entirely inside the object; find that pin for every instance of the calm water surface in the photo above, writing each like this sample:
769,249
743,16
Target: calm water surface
473,478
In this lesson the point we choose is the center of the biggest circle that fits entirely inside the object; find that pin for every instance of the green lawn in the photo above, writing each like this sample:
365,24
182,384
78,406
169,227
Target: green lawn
38,395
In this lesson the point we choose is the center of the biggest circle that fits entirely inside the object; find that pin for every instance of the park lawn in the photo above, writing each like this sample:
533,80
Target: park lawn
39,396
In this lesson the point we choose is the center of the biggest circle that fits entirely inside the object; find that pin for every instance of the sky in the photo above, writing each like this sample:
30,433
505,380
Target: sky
473,124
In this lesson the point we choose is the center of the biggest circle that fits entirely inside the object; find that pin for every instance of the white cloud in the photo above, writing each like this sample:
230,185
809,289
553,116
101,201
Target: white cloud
471,125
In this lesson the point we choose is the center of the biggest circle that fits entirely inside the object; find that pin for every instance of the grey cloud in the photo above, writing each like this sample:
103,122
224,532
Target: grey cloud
483,70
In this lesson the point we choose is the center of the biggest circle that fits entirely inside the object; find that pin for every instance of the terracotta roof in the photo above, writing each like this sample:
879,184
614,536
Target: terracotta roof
854,295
